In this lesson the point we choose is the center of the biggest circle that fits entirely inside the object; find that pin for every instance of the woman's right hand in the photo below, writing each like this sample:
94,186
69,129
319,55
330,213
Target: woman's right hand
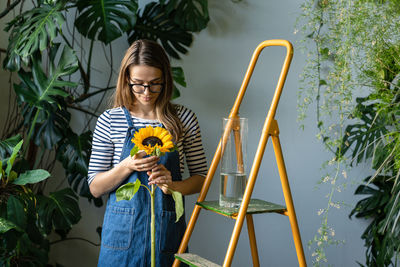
139,163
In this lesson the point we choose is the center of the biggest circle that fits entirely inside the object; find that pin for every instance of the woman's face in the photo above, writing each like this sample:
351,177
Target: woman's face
146,83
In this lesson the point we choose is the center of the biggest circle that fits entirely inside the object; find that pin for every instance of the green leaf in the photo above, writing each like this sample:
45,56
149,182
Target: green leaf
44,95
155,23
179,209
179,78
6,146
322,82
74,152
16,212
35,29
6,225
13,175
175,148
58,211
54,127
14,154
35,87
191,15
127,191
32,177
158,152
105,20
362,137
134,151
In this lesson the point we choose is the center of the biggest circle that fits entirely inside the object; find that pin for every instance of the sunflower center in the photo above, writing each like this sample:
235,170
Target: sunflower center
152,141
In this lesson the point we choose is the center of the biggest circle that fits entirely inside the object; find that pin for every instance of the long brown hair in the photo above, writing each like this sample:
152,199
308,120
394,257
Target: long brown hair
149,53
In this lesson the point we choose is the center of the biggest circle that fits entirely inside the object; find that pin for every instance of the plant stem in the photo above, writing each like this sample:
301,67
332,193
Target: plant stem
26,145
153,228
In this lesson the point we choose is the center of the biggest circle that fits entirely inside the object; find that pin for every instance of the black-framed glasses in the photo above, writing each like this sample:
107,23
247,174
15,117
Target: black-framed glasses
140,88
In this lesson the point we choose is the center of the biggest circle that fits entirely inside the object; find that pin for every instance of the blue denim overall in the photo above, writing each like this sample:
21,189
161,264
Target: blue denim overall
126,226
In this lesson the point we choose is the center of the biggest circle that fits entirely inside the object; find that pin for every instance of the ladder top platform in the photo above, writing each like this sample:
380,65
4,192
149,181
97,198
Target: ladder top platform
255,206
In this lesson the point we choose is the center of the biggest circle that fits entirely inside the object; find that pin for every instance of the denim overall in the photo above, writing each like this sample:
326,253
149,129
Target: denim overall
126,227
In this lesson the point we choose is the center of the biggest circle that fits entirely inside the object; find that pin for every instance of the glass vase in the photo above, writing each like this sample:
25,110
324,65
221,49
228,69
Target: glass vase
233,161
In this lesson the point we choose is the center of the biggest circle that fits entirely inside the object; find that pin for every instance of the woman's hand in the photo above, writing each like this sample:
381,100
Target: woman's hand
161,177
138,163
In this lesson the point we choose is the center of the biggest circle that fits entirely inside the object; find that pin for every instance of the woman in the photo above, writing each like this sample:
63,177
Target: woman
142,98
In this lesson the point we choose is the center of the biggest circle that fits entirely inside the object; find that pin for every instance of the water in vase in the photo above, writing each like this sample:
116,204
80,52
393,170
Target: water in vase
232,189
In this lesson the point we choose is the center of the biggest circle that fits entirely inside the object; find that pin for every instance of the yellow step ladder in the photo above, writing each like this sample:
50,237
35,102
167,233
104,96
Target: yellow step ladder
248,206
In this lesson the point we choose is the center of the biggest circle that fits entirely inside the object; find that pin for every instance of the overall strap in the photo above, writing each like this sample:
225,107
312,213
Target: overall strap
128,117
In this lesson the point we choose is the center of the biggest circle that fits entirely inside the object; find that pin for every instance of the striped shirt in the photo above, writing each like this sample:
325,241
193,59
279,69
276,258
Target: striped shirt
111,129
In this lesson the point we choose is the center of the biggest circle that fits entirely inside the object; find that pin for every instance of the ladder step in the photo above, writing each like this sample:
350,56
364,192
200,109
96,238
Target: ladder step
195,260
255,206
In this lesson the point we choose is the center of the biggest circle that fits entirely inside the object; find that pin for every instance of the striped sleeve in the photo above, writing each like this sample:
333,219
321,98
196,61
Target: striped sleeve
102,147
192,143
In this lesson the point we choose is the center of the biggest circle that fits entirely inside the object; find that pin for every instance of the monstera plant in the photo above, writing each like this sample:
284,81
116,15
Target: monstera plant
50,56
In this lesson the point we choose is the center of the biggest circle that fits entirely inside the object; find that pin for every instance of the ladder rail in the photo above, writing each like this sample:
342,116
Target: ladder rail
256,164
263,140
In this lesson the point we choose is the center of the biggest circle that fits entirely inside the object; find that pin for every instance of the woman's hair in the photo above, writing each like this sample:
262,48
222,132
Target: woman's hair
149,53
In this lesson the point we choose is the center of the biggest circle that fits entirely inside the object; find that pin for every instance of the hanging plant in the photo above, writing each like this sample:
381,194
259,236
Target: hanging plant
356,54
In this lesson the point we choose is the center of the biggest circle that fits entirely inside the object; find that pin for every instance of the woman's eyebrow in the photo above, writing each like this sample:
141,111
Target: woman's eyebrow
139,80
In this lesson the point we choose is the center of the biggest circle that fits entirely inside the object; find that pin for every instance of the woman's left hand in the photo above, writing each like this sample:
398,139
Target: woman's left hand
161,177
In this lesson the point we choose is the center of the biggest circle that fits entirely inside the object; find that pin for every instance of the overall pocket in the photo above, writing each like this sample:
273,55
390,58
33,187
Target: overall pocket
171,233
117,227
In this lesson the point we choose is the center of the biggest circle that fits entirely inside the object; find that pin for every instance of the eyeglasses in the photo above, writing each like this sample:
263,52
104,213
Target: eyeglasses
141,88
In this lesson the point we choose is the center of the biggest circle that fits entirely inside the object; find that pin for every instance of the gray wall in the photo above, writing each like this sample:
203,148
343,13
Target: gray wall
214,70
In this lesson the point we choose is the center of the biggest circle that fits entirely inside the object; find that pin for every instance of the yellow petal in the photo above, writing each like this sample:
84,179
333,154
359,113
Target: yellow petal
168,144
157,131
150,131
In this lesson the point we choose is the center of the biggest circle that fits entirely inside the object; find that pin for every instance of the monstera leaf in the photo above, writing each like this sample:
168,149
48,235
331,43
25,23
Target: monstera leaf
105,20
74,153
155,23
51,128
362,136
42,96
58,211
179,78
33,30
36,88
191,15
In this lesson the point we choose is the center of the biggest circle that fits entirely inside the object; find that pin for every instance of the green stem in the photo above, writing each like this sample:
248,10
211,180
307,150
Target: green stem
89,63
153,228
26,145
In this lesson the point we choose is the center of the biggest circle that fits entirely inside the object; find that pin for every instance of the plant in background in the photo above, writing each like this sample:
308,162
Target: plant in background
356,53
47,57
154,142
26,219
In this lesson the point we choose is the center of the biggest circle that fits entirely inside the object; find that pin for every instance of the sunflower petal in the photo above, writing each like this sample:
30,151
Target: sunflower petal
157,131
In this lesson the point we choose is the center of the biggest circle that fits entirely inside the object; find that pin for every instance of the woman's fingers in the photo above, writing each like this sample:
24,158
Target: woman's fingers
144,164
160,175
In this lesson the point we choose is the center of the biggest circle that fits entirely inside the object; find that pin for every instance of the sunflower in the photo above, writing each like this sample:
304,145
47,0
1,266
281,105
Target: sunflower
152,140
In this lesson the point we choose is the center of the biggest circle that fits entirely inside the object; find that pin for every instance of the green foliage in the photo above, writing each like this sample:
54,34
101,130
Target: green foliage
47,51
192,15
127,191
357,46
381,247
58,211
155,23
179,208
105,20
33,31
22,237
32,177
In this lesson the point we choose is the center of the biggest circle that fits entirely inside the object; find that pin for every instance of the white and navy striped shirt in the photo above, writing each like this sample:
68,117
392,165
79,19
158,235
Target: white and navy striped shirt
111,129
